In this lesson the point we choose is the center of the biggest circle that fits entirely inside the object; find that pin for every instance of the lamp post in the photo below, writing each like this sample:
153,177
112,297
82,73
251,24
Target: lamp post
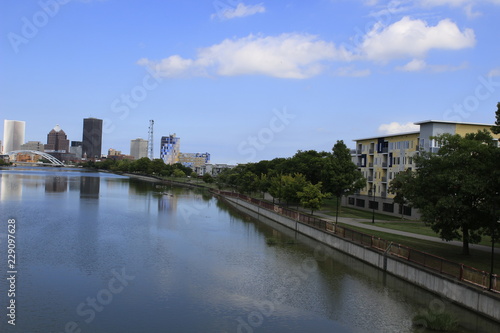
372,193
494,222
493,227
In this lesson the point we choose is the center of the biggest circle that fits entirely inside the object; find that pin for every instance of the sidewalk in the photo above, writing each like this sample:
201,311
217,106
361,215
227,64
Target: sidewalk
357,223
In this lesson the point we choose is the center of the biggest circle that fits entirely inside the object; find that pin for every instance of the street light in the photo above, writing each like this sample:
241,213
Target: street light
371,192
492,254
493,227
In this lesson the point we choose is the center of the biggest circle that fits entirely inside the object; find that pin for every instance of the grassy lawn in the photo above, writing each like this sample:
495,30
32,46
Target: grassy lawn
422,229
477,259
330,207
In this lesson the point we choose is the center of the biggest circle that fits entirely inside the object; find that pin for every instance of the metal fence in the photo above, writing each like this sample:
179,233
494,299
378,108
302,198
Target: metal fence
443,266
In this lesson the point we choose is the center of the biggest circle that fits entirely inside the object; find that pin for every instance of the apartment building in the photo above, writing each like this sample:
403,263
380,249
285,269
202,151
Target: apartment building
380,158
194,160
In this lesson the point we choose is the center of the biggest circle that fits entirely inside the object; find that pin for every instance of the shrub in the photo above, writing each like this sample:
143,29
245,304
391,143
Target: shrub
436,321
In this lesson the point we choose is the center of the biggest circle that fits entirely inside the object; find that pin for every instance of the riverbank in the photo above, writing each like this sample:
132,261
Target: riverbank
467,295
155,179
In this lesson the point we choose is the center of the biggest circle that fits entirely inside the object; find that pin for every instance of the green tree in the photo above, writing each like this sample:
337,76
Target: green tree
157,166
178,173
310,163
207,178
141,165
264,183
247,182
340,175
401,180
312,197
293,184
456,189
496,129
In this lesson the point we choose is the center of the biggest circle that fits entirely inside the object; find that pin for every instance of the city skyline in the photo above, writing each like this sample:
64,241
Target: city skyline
247,80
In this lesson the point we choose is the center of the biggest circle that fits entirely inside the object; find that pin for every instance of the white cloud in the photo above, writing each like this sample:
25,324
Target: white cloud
417,65
494,72
300,55
241,10
413,66
466,4
351,71
395,128
413,38
295,56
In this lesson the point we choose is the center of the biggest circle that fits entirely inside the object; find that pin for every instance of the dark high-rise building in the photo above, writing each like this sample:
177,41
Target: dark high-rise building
92,138
57,141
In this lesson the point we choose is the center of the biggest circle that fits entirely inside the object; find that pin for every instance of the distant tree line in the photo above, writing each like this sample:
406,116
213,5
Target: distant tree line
143,165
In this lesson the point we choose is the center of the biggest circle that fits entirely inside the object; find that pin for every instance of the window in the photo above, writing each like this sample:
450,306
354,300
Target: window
388,207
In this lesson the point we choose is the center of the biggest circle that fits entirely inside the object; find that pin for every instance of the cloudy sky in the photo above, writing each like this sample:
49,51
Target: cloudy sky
247,81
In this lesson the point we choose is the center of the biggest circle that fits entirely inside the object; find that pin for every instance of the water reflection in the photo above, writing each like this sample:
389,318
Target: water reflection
199,266
89,187
56,184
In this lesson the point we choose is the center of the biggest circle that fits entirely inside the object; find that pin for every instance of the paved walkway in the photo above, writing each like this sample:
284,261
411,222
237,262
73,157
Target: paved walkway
357,223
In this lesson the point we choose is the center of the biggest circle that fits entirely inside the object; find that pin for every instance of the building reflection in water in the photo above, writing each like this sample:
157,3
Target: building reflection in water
10,187
89,187
87,257
56,184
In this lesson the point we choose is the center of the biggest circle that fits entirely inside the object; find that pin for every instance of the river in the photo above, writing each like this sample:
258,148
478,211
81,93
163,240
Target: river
102,253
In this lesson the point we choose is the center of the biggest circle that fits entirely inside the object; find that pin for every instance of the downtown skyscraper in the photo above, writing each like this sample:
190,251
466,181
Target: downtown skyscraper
13,135
170,149
92,138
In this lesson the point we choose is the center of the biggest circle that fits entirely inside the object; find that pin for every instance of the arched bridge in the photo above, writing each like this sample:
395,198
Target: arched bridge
48,157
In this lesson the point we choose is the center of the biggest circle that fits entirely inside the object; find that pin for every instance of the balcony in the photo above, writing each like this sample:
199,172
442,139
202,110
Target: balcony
370,178
384,164
370,165
358,151
434,150
385,150
371,151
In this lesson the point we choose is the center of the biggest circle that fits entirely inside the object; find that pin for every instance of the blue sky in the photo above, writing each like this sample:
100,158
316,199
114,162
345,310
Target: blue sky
251,80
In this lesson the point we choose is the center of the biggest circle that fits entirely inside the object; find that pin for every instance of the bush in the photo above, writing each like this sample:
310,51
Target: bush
207,178
435,321
271,241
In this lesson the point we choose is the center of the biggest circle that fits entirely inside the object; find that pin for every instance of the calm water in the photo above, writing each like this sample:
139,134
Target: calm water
102,253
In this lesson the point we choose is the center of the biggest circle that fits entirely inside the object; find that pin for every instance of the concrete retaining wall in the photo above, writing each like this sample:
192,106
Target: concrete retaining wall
475,299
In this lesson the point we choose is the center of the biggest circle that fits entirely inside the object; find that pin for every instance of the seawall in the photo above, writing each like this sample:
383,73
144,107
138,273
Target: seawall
468,296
